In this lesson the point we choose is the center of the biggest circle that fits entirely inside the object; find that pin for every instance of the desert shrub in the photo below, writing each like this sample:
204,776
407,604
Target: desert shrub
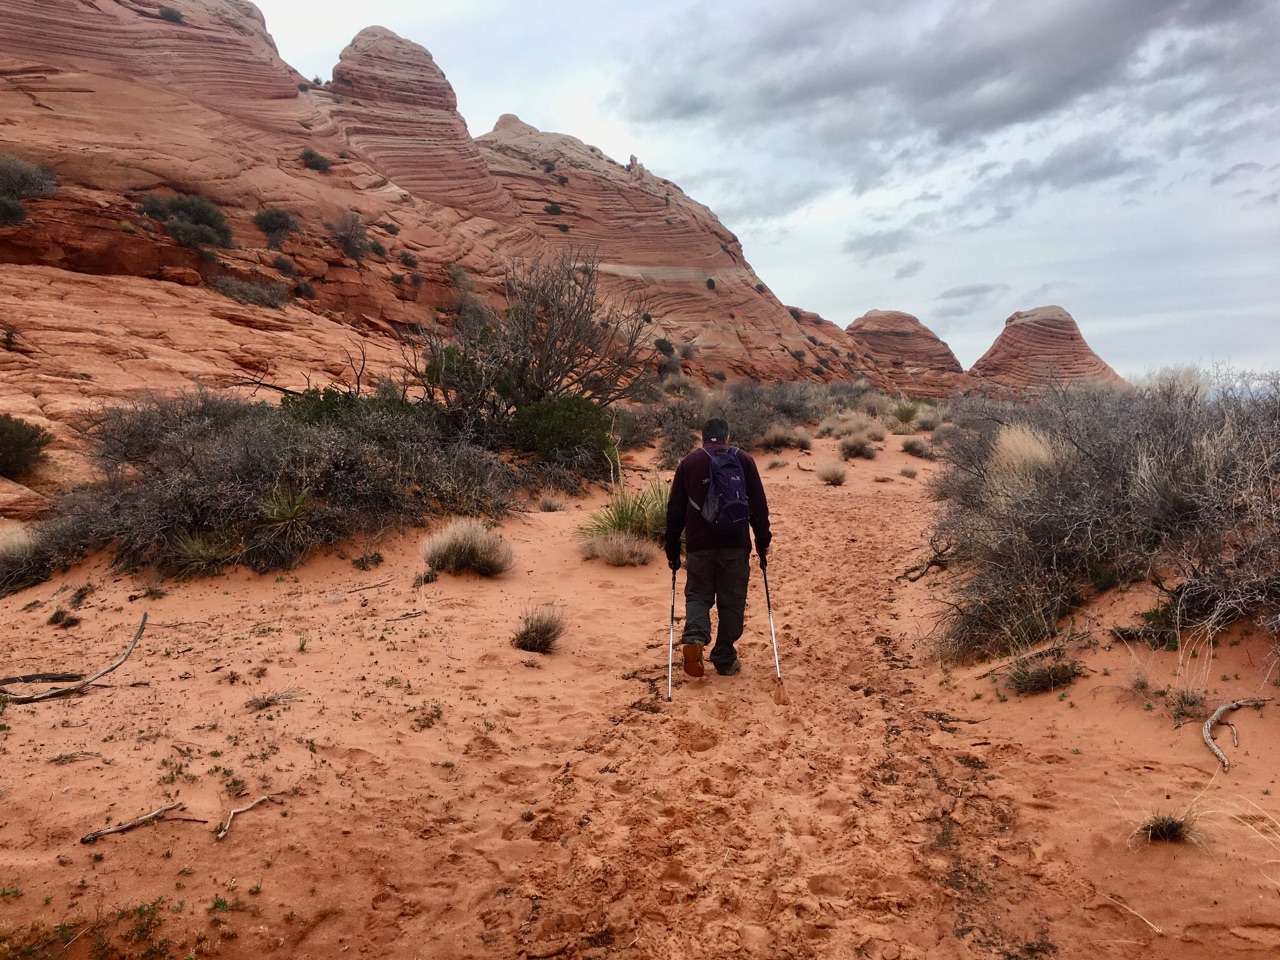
619,549
688,351
899,428
22,180
844,424
1087,487
668,367
917,447
778,436
171,15
1165,828
192,220
711,284
856,445
909,472
636,426
12,212
468,546
274,295
566,429
305,289
377,248
539,629
391,228
408,259
799,353
25,559
832,474
1041,674
277,225
21,445
284,265
664,347
351,235
928,419
549,504
553,209
905,412
875,404
313,160
641,513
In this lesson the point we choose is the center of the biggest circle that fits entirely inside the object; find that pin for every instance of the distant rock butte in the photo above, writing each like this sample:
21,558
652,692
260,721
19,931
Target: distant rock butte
909,355
1042,346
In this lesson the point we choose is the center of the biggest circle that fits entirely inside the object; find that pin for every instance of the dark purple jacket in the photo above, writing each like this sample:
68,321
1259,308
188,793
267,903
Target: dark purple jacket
689,487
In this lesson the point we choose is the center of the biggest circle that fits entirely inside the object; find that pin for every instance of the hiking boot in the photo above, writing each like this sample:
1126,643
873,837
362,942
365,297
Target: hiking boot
693,660
731,670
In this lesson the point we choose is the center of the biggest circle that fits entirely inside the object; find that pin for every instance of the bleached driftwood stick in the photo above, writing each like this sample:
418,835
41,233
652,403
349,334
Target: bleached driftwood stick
1217,715
63,691
245,809
122,827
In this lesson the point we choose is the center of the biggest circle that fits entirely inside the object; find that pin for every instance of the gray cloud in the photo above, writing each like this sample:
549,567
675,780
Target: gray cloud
879,243
967,299
908,270
1237,171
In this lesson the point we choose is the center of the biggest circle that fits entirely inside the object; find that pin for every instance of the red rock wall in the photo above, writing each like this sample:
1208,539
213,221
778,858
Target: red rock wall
909,355
1041,346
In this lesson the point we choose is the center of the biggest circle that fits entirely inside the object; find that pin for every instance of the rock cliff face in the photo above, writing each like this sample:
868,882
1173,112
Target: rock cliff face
661,245
1041,346
909,355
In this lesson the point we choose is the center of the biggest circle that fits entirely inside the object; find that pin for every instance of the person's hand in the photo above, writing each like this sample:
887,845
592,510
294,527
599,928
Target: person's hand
673,563
764,556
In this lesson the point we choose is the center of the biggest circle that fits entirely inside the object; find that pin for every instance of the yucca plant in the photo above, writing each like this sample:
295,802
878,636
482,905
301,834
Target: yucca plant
642,513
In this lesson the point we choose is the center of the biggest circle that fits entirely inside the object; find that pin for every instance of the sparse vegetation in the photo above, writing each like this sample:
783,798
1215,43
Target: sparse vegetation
277,225
171,15
1164,828
832,474
191,220
917,447
274,295
539,629
1042,674
265,701
778,436
314,160
468,546
641,513
1174,482
21,180
857,445
619,549
351,235
21,445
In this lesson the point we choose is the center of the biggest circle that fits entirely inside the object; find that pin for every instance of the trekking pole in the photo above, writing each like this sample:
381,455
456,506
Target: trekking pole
779,692
671,644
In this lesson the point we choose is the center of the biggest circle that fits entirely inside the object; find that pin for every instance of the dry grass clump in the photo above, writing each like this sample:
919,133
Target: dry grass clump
917,447
549,504
1165,828
832,474
928,418
857,445
778,436
264,701
908,472
619,549
1041,675
467,545
539,629
845,423
876,404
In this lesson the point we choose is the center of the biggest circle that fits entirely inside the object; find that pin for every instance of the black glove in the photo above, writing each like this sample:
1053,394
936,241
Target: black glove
764,557
673,563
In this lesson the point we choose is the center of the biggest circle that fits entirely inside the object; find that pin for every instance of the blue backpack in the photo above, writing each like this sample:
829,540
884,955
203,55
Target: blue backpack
725,507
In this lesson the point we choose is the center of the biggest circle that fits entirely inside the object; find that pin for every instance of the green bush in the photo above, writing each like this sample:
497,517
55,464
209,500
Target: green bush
468,546
21,445
193,221
274,295
408,259
12,212
314,160
553,209
377,248
284,265
277,225
567,429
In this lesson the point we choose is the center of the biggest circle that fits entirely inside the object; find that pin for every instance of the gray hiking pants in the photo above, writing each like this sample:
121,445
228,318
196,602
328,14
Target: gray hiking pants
716,577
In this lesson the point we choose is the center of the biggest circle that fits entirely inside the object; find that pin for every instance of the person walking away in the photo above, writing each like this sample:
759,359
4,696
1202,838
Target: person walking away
717,501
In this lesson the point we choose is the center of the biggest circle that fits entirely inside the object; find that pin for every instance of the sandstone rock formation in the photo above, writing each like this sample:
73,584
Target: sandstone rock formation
909,355
1042,346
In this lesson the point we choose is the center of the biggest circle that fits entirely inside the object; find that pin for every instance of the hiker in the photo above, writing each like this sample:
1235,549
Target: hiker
718,543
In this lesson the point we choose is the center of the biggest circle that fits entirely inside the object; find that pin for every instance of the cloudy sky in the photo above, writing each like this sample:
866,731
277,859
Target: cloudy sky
956,159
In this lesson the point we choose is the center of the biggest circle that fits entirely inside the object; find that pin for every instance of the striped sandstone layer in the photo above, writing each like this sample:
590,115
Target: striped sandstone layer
1038,347
909,355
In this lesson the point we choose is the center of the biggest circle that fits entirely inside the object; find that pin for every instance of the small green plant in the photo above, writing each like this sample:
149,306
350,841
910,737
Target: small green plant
192,220
832,474
466,545
566,429
425,716
21,445
313,160
619,549
367,561
276,224
642,513
539,629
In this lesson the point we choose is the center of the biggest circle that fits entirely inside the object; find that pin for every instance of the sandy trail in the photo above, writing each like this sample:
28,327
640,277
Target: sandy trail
437,793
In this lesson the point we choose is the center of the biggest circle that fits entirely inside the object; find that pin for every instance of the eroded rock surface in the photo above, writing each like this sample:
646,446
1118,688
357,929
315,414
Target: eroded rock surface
1042,346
